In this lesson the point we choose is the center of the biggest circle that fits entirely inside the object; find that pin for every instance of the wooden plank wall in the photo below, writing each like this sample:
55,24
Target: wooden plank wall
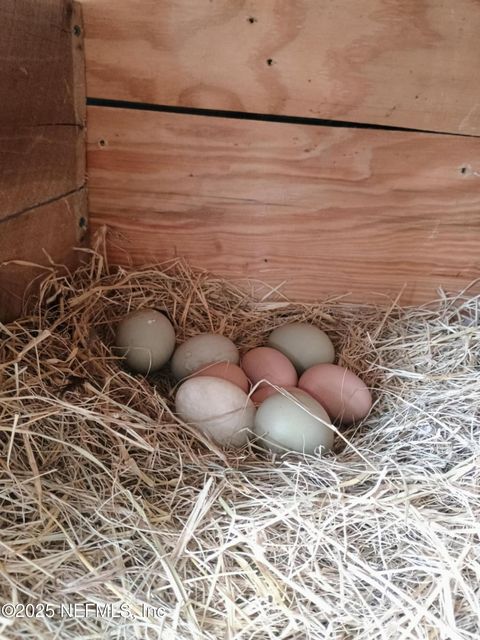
43,210
328,209
411,63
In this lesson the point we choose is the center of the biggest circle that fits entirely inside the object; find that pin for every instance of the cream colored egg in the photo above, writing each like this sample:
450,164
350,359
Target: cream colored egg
217,407
146,339
201,350
303,344
297,423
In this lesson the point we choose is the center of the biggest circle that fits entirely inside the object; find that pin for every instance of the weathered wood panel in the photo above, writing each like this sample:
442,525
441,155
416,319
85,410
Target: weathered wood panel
42,103
44,234
328,210
41,66
410,64
38,164
43,204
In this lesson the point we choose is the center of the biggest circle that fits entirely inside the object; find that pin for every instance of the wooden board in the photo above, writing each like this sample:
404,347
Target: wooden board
42,103
410,63
328,210
44,234
40,63
38,164
43,208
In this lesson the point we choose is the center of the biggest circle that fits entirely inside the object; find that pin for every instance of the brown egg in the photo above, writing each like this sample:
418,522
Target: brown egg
265,363
262,393
343,395
226,371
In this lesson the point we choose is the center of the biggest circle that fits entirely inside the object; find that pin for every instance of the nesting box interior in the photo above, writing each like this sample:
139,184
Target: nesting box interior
328,146
327,149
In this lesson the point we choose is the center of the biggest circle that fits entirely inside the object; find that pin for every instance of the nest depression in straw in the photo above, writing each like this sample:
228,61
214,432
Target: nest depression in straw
110,504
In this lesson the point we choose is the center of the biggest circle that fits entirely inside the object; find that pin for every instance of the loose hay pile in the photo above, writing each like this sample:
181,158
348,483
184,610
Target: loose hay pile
107,500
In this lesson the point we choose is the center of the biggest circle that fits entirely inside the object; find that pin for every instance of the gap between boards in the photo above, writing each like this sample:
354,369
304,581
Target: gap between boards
262,117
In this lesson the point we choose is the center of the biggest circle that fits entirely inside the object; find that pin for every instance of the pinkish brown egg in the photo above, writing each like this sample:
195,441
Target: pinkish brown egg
262,394
225,371
265,363
343,395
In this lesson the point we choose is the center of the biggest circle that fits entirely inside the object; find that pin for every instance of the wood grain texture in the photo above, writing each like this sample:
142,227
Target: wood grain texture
43,207
38,164
47,233
40,63
410,63
42,103
327,210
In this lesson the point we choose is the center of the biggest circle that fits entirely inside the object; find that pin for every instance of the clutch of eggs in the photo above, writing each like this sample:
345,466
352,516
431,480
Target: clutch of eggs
339,391
214,397
215,393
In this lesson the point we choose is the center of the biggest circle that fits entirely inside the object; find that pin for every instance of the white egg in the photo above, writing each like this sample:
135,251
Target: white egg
146,339
297,423
304,345
217,407
200,351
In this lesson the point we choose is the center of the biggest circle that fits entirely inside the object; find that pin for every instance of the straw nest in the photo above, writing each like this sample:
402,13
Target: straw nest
109,504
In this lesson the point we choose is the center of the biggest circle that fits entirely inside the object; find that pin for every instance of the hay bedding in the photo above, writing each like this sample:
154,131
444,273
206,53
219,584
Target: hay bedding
105,498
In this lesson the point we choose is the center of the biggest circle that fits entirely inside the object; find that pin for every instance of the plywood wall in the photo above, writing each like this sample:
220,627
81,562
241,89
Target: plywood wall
43,210
409,63
329,210
324,207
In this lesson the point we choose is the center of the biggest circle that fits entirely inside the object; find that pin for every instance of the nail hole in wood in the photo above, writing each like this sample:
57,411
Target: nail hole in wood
102,143
82,223
252,20
77,30
270,62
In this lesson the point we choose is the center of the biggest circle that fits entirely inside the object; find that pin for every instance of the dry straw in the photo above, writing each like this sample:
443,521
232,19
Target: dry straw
106,499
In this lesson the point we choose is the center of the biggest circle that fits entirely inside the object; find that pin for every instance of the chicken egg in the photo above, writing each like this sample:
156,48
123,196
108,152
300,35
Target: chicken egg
304,344
217,407
145,339
345,397
201,350
262,394
294,422
265,363
226,371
